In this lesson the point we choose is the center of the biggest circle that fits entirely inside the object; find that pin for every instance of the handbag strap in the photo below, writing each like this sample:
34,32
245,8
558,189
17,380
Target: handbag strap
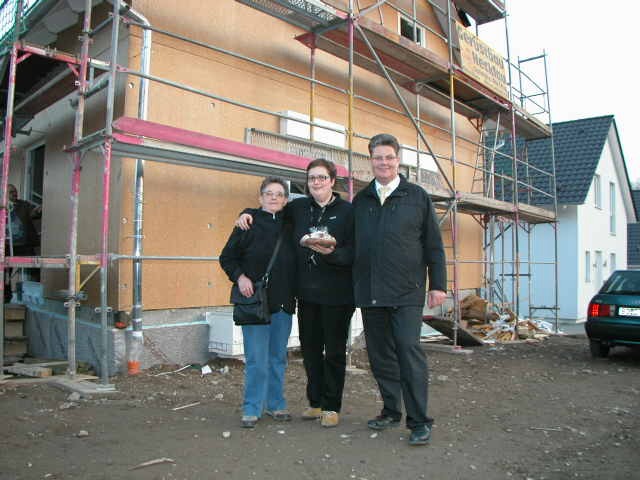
273,257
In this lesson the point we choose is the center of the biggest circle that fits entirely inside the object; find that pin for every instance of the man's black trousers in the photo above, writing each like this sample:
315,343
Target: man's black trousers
323,339
398,362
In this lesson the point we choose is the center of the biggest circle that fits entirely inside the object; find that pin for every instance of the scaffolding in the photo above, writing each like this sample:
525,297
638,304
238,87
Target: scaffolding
500,199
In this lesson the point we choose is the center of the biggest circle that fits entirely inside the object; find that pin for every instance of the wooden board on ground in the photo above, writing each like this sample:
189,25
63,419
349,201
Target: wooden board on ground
53,379
15,348
38,362
14,311
445,326
29,370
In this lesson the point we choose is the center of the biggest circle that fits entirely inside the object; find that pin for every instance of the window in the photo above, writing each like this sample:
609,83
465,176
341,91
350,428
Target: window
329,135
598,264
612,261
597,197
612,208
406,30
409,156
587,266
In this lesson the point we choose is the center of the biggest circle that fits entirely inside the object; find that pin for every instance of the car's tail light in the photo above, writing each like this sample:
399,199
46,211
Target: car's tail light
601,310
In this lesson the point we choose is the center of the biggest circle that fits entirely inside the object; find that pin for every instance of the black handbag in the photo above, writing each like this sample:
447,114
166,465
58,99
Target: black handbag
254,310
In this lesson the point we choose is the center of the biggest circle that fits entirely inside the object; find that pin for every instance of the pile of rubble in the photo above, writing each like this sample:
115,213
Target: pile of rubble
490,326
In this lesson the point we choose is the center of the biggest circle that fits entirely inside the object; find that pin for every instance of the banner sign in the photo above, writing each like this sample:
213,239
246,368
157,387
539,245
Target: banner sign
481,62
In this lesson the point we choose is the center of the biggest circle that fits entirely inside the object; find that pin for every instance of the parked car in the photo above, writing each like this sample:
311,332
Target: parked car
613,317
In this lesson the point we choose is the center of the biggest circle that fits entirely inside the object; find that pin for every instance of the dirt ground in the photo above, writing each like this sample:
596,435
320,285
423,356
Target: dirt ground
521,411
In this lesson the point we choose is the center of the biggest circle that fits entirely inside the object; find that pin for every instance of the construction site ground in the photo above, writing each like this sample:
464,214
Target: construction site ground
543,410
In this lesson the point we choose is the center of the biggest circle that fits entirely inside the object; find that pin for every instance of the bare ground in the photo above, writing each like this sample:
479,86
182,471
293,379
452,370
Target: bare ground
522,411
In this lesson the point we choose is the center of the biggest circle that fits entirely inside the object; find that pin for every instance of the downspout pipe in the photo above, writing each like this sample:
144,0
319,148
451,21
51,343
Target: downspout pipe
137,339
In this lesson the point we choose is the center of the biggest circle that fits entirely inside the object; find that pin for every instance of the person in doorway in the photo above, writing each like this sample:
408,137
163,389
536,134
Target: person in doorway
244,259
323,232
22,238
397,241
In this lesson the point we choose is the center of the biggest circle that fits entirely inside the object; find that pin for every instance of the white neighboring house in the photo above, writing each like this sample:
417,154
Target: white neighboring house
594,208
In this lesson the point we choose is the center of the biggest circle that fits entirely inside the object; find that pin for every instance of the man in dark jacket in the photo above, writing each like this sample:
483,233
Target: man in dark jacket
397,241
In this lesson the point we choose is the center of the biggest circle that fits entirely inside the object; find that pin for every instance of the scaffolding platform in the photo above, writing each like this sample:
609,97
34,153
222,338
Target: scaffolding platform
481,10
413,66
475,203
137,138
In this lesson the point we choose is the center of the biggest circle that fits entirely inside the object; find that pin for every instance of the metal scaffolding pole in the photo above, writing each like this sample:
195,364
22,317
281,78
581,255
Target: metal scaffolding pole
454,210
350,144
76,158
6,160
403,102
515,233
312,88
350,115
106,187
555,200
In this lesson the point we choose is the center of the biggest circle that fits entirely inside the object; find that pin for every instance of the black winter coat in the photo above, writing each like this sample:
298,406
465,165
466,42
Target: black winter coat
396,243
323,279
249,253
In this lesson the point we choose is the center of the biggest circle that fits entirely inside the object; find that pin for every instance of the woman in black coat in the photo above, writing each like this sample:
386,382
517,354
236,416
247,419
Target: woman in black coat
323,234
244,259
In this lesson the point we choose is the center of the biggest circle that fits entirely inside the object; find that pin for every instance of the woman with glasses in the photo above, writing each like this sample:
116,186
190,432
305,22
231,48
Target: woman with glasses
323,234
244,259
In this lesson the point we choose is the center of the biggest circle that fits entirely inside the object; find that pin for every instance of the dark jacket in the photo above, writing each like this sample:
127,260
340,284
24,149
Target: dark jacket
21,227
395,245
249,253
323,279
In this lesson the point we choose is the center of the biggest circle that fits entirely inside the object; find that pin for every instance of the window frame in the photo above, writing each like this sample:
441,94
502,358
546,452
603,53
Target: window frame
420,30
597,191
612,208
587,264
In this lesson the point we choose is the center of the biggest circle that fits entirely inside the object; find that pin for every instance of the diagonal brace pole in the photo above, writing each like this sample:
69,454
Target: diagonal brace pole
405,107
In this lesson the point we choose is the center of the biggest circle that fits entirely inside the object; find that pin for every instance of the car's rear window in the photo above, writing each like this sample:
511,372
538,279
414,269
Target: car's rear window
623,282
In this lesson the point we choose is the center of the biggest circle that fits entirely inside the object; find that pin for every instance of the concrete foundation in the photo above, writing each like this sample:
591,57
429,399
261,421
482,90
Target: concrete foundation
171,337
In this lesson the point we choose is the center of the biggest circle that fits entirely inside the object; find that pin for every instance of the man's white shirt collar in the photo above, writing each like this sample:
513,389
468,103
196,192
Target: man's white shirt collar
392,185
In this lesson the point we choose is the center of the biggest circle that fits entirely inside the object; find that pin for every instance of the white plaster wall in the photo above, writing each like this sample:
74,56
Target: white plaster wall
595,233
538,289
542,279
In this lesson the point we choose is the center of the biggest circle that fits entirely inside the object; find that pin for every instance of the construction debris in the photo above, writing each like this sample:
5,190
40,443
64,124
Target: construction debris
185,406
479,324
29,370
155,461
173,371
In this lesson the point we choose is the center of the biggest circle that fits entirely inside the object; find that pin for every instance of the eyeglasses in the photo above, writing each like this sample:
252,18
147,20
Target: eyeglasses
319,178
388,158
269,193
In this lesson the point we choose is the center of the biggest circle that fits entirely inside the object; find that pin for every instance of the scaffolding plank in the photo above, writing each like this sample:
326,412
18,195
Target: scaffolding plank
475,203
306,14
29,370
410,64
445,326
535,214
175,145
406,62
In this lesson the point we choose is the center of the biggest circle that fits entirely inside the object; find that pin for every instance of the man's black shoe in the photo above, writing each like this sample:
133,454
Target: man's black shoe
382,421
420,435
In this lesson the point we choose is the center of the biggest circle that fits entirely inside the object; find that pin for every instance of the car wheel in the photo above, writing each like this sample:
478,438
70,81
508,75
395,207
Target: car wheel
598,349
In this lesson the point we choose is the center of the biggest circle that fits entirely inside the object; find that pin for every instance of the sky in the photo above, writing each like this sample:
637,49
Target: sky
592,59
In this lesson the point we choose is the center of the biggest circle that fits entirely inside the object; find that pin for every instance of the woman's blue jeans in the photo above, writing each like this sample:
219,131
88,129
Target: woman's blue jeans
265,352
